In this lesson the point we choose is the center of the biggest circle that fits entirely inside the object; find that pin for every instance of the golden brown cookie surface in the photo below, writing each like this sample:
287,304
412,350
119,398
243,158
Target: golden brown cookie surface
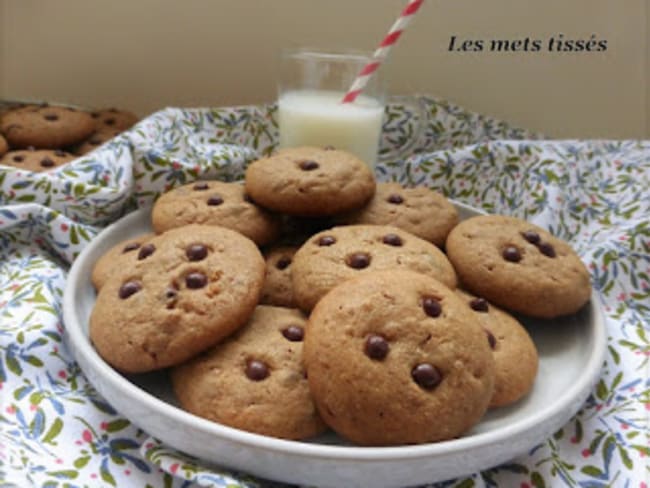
214,203
418,210
518,266
335,255
121,255
192,287
515,355
36,160
113,119
255,380
45,126
278,289
310,181
396,358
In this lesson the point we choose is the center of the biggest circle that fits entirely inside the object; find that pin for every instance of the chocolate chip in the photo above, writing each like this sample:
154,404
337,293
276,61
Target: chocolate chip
196,280
60,153
492,341
512,254
94,115
376,347
392,240
128,289
51,117
47,162
426,376
531,236
395,199
19,158
358,260
215,200
308,165
326,240
196,252
546,249
170,297
479,304
283,262
146,251
202,185
294,333
110,121
431,306
256,370
329,148
132,246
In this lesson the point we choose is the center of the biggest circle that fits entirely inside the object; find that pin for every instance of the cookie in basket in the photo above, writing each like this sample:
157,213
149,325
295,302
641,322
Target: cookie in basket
46,126
196,285
310,181
515,355
36,160
395,357
214,203
114,119
4,147
278,289
418,210
335,255
255,380
518,266
122,255
95,140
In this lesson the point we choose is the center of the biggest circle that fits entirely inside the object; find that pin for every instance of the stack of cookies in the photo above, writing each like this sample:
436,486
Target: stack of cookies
313,297
43,137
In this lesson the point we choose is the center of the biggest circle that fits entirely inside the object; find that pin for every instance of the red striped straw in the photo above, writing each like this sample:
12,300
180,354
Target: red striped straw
382,51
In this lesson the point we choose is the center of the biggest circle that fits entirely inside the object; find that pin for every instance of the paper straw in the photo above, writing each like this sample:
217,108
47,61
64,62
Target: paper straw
382,51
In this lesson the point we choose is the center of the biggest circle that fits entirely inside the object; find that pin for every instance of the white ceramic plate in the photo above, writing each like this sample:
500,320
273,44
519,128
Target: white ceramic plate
571,354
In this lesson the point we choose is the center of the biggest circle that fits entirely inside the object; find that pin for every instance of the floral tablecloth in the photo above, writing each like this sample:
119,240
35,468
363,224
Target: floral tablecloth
56,431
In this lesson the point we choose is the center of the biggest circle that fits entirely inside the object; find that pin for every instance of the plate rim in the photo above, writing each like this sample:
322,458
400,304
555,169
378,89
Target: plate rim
83,352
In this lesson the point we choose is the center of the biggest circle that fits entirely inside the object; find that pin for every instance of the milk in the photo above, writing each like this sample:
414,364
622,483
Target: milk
318,118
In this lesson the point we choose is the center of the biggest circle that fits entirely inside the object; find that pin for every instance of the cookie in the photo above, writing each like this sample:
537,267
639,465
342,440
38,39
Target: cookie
122,255
113,119
310,182
518,266
418,210
189,288
515,355
97,139
214,203
277,288
395,357
340,253
46,127
255,380
4,147
36,160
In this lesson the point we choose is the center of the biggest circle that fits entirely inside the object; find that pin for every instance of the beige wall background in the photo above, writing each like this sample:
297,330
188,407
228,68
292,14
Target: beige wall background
148,54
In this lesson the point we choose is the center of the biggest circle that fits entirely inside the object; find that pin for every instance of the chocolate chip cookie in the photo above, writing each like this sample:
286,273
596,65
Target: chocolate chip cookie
36,160
215,203
310,182
277,288
4,147
418,210
255,380
46,127
395,357
95,140
122,255
113,119
335,255
515,355
518,266
189,288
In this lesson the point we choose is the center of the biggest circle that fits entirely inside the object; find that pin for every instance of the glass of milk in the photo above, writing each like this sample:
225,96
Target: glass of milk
310,113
